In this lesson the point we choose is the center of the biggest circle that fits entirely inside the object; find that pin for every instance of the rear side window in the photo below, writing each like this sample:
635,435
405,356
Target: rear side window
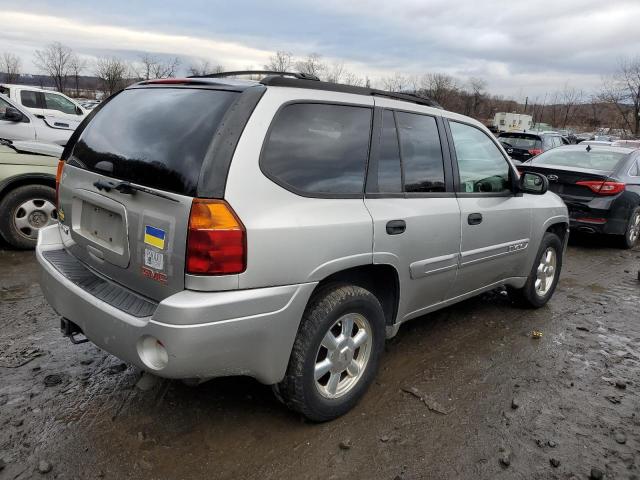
389,173
29,98
421,153
319,149
156,137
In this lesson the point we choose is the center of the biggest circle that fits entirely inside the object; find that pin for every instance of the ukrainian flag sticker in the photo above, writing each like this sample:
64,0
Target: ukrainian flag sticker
154,236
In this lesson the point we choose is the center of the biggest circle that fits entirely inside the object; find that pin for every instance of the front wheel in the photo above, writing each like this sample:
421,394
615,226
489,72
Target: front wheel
544,275
336,353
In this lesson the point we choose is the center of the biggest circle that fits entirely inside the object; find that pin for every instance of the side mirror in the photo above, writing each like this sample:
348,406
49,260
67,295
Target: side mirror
534,183
79,111
13,115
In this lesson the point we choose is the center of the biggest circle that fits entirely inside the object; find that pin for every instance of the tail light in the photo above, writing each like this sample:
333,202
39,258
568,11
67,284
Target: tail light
216,242
58,178
535,151
603,188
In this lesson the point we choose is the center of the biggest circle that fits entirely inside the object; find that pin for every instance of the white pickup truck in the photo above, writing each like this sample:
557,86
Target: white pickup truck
55,107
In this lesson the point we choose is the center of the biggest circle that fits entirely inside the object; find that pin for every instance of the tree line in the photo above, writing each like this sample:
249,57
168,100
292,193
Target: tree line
616,104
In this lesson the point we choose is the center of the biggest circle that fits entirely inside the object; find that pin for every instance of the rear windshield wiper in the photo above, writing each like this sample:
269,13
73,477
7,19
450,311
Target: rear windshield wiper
127,189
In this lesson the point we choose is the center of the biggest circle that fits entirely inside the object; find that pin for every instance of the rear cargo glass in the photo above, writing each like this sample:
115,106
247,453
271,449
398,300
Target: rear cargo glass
157,137
525,142
594,159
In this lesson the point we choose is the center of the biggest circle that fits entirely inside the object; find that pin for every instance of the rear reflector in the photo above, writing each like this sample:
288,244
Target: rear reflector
58,178
535,151
603,188
216,243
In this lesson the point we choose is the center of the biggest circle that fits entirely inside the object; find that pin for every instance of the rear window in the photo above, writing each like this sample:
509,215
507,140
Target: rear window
157,137
525,142
593,159
319,149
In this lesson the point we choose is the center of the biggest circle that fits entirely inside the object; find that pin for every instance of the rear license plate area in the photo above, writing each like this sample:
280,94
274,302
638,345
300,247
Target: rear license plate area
103,227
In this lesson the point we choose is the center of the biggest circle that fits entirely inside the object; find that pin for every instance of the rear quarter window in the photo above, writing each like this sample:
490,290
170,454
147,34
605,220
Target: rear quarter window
157,137
317,149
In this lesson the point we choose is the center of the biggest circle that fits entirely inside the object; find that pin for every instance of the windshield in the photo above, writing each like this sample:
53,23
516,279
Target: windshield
525,142
156,137
594,159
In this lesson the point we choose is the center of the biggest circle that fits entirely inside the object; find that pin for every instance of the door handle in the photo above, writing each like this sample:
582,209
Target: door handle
474,219
396,227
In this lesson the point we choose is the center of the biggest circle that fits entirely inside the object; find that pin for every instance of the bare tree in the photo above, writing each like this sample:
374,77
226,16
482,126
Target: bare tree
622,89
282,61
204,67
395,83
10,66
152,66
335,72
570,97
312,65
476,87
440,87
112,73
76,67
55,61
350,78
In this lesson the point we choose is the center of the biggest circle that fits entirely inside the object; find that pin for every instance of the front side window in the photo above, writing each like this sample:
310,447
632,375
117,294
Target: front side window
316,148
53,101
29,98
481,166
421,153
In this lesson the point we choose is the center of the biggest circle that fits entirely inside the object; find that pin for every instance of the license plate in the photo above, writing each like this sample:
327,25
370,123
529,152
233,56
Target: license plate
153,259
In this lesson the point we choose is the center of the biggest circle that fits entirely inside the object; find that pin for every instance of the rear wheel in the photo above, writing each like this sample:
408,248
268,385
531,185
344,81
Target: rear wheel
632,234
544,274
24,211
336,353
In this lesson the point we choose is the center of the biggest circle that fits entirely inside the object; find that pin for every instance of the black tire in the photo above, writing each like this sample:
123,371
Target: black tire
626,241
298,390
8,207
527,296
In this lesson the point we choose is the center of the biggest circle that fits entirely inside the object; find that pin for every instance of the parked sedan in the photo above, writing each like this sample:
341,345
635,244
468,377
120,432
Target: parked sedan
599,184
521,146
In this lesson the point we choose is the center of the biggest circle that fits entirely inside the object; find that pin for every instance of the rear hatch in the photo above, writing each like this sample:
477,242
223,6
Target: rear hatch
127,187
521,146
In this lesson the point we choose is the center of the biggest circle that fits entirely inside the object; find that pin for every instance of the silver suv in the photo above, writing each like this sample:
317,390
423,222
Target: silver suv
281,229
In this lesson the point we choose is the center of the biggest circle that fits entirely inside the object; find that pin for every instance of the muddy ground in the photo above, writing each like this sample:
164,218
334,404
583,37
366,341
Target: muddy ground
517,407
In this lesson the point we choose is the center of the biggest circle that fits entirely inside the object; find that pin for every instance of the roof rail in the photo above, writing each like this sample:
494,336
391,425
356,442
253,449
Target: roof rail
299,76
407,97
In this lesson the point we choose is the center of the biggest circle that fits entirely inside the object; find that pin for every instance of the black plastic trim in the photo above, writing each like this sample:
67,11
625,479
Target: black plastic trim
101,288
217,161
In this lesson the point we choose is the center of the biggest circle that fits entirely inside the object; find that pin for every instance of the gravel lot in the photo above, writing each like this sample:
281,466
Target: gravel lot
465,393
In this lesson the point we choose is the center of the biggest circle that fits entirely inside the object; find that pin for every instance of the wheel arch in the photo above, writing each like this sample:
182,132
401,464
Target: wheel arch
382,280
16,181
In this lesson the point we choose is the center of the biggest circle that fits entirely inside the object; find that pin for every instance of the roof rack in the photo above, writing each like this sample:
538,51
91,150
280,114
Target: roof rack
299,76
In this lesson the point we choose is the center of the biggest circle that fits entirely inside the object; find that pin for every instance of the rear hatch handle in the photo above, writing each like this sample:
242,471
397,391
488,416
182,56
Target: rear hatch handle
127,189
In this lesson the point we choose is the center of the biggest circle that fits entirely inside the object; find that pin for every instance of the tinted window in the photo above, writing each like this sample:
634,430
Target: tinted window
421,153
594,158
29,98
634,171
54,101
525,142
318,149
481,165
389,176
155,136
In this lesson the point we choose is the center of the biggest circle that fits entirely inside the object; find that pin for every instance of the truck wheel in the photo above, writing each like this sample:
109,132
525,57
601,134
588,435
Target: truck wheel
336,353
24,211
631,235
544,274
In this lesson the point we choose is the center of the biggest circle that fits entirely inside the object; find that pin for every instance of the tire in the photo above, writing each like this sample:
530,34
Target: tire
39,212
632,232
329,313
530,296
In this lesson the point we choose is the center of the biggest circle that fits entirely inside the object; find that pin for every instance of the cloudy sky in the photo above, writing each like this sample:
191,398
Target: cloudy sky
519,47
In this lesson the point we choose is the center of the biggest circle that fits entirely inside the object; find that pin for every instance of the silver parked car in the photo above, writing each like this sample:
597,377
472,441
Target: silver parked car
281,229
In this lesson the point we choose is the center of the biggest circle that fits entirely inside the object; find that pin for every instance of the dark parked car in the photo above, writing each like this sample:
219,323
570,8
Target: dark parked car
523,146
599,184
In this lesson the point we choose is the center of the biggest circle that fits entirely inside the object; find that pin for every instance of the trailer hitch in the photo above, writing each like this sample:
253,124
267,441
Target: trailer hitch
70,329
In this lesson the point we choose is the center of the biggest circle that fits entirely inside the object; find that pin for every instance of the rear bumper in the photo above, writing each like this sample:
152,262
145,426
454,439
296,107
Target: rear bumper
600,215
206,334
